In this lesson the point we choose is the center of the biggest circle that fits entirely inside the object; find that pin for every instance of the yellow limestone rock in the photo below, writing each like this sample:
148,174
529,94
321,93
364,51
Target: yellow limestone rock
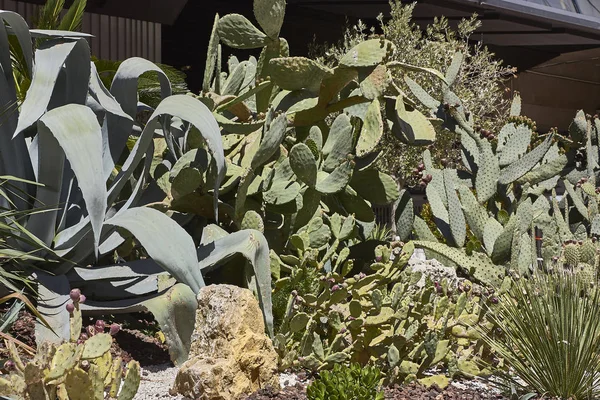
231,356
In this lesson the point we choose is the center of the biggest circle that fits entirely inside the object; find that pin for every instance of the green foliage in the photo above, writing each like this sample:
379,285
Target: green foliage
381,233
354,382
549,336
479,82
400,321
300,138
97,188
499,198
81,368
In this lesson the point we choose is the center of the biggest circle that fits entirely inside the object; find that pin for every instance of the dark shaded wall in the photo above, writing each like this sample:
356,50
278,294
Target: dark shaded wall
185,42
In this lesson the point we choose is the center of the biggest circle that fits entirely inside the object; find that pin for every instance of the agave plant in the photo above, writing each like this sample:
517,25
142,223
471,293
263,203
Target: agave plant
91,160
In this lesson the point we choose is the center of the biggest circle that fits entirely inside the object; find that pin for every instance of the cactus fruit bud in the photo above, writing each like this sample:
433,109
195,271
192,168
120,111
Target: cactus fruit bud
9,365
335,288
82,299
90,330
378,258
100,325
85,365
75,295
70,307
83,337
114,329
421,167
494,300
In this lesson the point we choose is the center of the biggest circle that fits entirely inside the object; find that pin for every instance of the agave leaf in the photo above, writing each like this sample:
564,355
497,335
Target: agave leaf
56,33
76,130
53,295
165,241
50,58
254,247
174,310
99,92
124,88
14,159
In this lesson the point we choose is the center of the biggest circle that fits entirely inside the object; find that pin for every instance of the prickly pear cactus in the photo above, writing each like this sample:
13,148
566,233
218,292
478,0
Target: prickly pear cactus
501,206
82,369
384,318
288,158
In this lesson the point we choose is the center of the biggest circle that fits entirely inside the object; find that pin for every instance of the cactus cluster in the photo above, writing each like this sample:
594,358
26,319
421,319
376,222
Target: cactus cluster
300,138
499,211
80,369
385,319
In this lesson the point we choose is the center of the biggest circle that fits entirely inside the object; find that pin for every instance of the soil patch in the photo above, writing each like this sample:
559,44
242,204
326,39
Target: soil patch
404,392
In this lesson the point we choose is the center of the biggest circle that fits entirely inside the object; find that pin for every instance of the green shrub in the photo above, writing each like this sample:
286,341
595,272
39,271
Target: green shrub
550,336
354,382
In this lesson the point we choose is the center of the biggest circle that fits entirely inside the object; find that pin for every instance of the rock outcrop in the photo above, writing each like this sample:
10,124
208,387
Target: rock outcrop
231,356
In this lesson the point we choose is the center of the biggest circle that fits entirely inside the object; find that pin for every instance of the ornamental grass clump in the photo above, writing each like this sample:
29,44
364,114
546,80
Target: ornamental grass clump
549,336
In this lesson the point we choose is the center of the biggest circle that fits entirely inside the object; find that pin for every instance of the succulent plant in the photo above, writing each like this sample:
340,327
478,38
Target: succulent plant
499,211
353,382
300,138
384,319
75,145
77,369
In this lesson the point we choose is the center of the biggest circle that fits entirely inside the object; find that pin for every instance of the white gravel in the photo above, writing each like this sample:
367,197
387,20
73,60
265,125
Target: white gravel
156,382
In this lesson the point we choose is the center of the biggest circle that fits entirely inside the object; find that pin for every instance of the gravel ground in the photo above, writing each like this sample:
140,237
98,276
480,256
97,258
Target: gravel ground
156,382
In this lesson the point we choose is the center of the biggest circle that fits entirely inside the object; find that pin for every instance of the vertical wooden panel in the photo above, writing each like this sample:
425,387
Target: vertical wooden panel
10,5
122,40
150,39
86,23
114,39
29,14
104,36
145,39
96,32
21,8
158,42
138,38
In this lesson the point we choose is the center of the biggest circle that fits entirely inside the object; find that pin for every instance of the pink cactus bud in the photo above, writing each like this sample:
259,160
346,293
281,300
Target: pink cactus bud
70,307
9,365
114,329
90,330
82,299
75,295
83,337
100,325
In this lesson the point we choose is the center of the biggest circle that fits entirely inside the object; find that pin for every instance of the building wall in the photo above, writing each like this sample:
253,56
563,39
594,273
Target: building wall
554,91
115,38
